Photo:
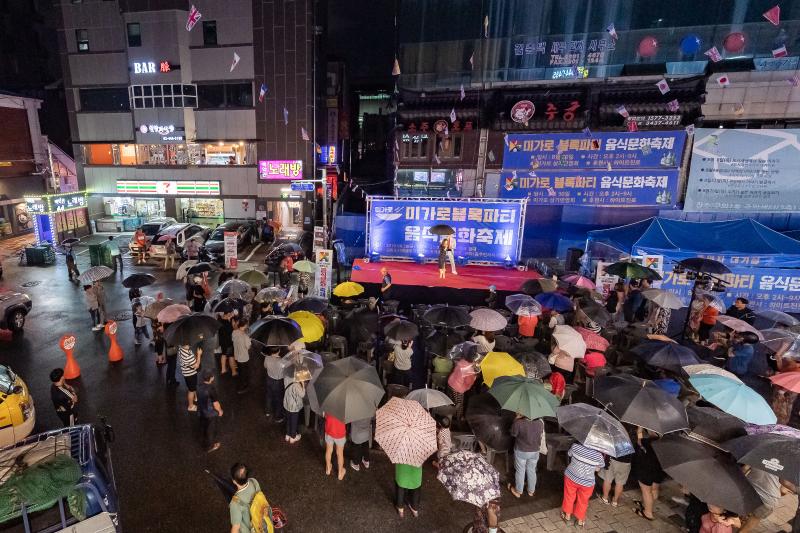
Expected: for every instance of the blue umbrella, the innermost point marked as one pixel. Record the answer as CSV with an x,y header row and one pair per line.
x,y
733,397
554,301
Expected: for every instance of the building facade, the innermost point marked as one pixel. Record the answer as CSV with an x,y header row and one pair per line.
x,y
170,119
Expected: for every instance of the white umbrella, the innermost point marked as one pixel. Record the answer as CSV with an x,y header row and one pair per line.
x,y
662,298
779,317
429,398
776,338
485,319
705,368
569,341
95,273
183,269
738,325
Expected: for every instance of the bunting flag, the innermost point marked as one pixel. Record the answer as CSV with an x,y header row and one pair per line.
x,y
723,81
633,126
673,105
713,54
587,131
436,158
663,86
472,60
453,115
780,52
235,61
612,31
690,129
622,111
285,117
486,26
262,92
396,68
738,109
304,134
194,16
491,156
773,15
794,80
318,148
463,94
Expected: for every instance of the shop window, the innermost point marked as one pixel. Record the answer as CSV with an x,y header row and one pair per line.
x,y
210,33
224,95
99,154
134,34
150,96
106,99
127,154
450,146
239,95
211,96
412,150
82,38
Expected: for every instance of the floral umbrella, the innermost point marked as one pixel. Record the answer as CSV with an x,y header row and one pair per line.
x,y
469,478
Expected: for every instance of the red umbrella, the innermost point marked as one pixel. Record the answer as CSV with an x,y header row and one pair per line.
x,y
787,380
593,340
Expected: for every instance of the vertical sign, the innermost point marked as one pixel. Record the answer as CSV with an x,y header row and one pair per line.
x,y
333,126
319,238
322,278
231,259
604,282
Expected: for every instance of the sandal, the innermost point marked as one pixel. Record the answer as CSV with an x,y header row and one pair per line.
x,y
640,512
602,499
564,517
639,504
414,512
513,491
614,504
580,523
401,512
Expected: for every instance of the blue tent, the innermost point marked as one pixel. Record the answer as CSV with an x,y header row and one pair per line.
x,y
678,239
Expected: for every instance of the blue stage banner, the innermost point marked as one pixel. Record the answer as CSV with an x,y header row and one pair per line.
x,y
766,288
618,188
485,231
596,150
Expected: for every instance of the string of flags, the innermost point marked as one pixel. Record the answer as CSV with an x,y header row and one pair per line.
x,y
304,134
673,105
453,115
713,54
194,16
780,52
773,15
463,94
723,81
663,86
285,117
396,68
472,61
486,27
622,111
235,61
262,92
612,31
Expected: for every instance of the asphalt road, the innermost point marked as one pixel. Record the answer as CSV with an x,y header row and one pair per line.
x,y
157,456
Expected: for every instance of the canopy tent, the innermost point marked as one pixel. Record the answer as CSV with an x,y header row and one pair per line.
x,y
678,239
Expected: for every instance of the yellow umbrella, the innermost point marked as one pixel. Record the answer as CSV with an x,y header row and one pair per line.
x,y
497,364
310,325
347,289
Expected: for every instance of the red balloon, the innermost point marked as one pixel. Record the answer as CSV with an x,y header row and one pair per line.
x,y
648,46
734,42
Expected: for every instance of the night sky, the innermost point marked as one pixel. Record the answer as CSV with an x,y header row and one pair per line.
x,y
361,33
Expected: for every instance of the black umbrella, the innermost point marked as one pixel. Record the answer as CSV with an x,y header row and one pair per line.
x,y
275,331
191,329
290,248
441,342
667,355
706,472
228,305
641,402
712,424
137,281
225,485
71,240
532,287
594,311
401,330
235,288
442,229
535,364
706,266
312,304
444,315
199,268
361,324
490,424
770,452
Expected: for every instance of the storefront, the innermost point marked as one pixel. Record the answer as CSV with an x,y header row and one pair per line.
x,y
205,211
14,218
128,206
186,201
188,154
59,216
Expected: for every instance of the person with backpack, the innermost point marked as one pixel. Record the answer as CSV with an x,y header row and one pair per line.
x,y
209,410
250,511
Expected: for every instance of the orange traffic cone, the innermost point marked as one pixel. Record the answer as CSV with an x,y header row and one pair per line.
x,y
114,352
71,368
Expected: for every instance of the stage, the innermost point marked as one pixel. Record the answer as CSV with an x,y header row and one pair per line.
x,y
417,283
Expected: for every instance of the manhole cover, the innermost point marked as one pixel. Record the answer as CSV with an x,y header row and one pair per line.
x,y
31,283
124,315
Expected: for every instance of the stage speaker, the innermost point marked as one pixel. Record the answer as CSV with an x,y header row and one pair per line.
x,y
573,259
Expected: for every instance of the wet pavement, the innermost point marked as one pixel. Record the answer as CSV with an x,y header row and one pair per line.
x,y
159,463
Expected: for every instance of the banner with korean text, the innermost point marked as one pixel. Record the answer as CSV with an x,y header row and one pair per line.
x,y
625,169
487,231
323,274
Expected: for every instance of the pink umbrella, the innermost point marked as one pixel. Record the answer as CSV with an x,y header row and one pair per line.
x,y
787,380
738,325
579,281
405,431
593,340
165,238
173,312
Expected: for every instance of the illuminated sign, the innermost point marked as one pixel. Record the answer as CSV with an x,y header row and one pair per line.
x,y
144,67
67,202
280,170
165,66
36,206
157,128
169,188
328,154
42,205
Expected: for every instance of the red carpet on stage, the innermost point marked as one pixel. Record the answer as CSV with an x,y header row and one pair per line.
x,y
427,275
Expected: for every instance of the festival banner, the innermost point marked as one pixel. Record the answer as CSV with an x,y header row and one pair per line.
x,y
618,188
484,231
744,171
594,150
230,247
323,274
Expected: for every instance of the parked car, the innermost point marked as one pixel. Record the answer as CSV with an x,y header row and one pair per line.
x,y
181,233
151,228
214,248
14,307
89,448
17,413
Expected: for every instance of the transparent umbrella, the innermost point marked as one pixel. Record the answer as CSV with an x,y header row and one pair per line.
x,y
595,429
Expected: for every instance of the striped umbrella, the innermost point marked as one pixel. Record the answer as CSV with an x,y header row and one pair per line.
x,y
405,431
95,273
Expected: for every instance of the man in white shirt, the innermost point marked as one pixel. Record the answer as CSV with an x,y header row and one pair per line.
x,y
450,244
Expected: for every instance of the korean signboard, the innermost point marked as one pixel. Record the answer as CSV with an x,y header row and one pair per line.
x,y
40,205
324,273
319,238
485,231
280,170
231,253
655,121
744,170
169,188
327,154
589,51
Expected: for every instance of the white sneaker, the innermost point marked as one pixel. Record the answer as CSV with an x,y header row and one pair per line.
x,y
355,466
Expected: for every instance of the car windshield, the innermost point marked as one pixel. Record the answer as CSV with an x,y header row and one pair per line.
x,y
218,235
7,379
151,229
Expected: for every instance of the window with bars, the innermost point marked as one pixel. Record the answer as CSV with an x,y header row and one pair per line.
x,y
157,96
